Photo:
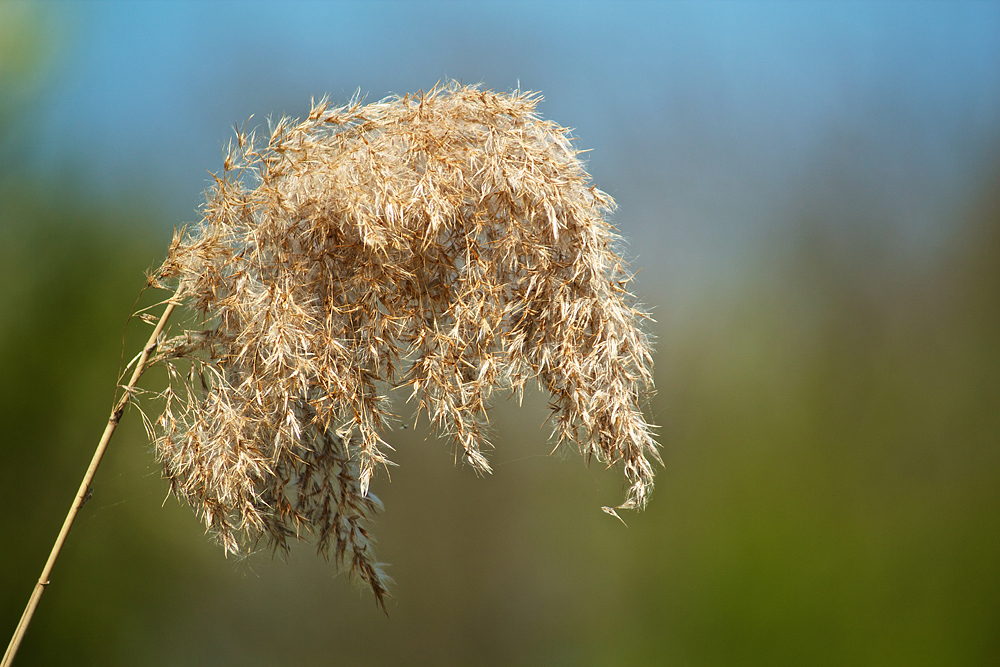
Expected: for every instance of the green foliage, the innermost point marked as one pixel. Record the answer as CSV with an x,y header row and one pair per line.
x,y
833,492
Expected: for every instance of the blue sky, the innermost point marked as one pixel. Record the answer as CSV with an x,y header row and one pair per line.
x,y
702,117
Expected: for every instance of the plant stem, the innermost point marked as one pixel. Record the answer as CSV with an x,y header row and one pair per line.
x,y
81,494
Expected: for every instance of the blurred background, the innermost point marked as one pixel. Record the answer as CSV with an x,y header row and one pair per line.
x,y
812,194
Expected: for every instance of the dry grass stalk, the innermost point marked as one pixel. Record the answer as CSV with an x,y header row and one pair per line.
x,y
138,366
449,241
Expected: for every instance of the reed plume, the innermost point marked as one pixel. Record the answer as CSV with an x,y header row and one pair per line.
x,y
450,242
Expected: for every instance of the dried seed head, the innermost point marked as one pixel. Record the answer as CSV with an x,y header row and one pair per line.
x,y
450,241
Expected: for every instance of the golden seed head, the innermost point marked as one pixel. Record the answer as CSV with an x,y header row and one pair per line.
x,y
450,241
